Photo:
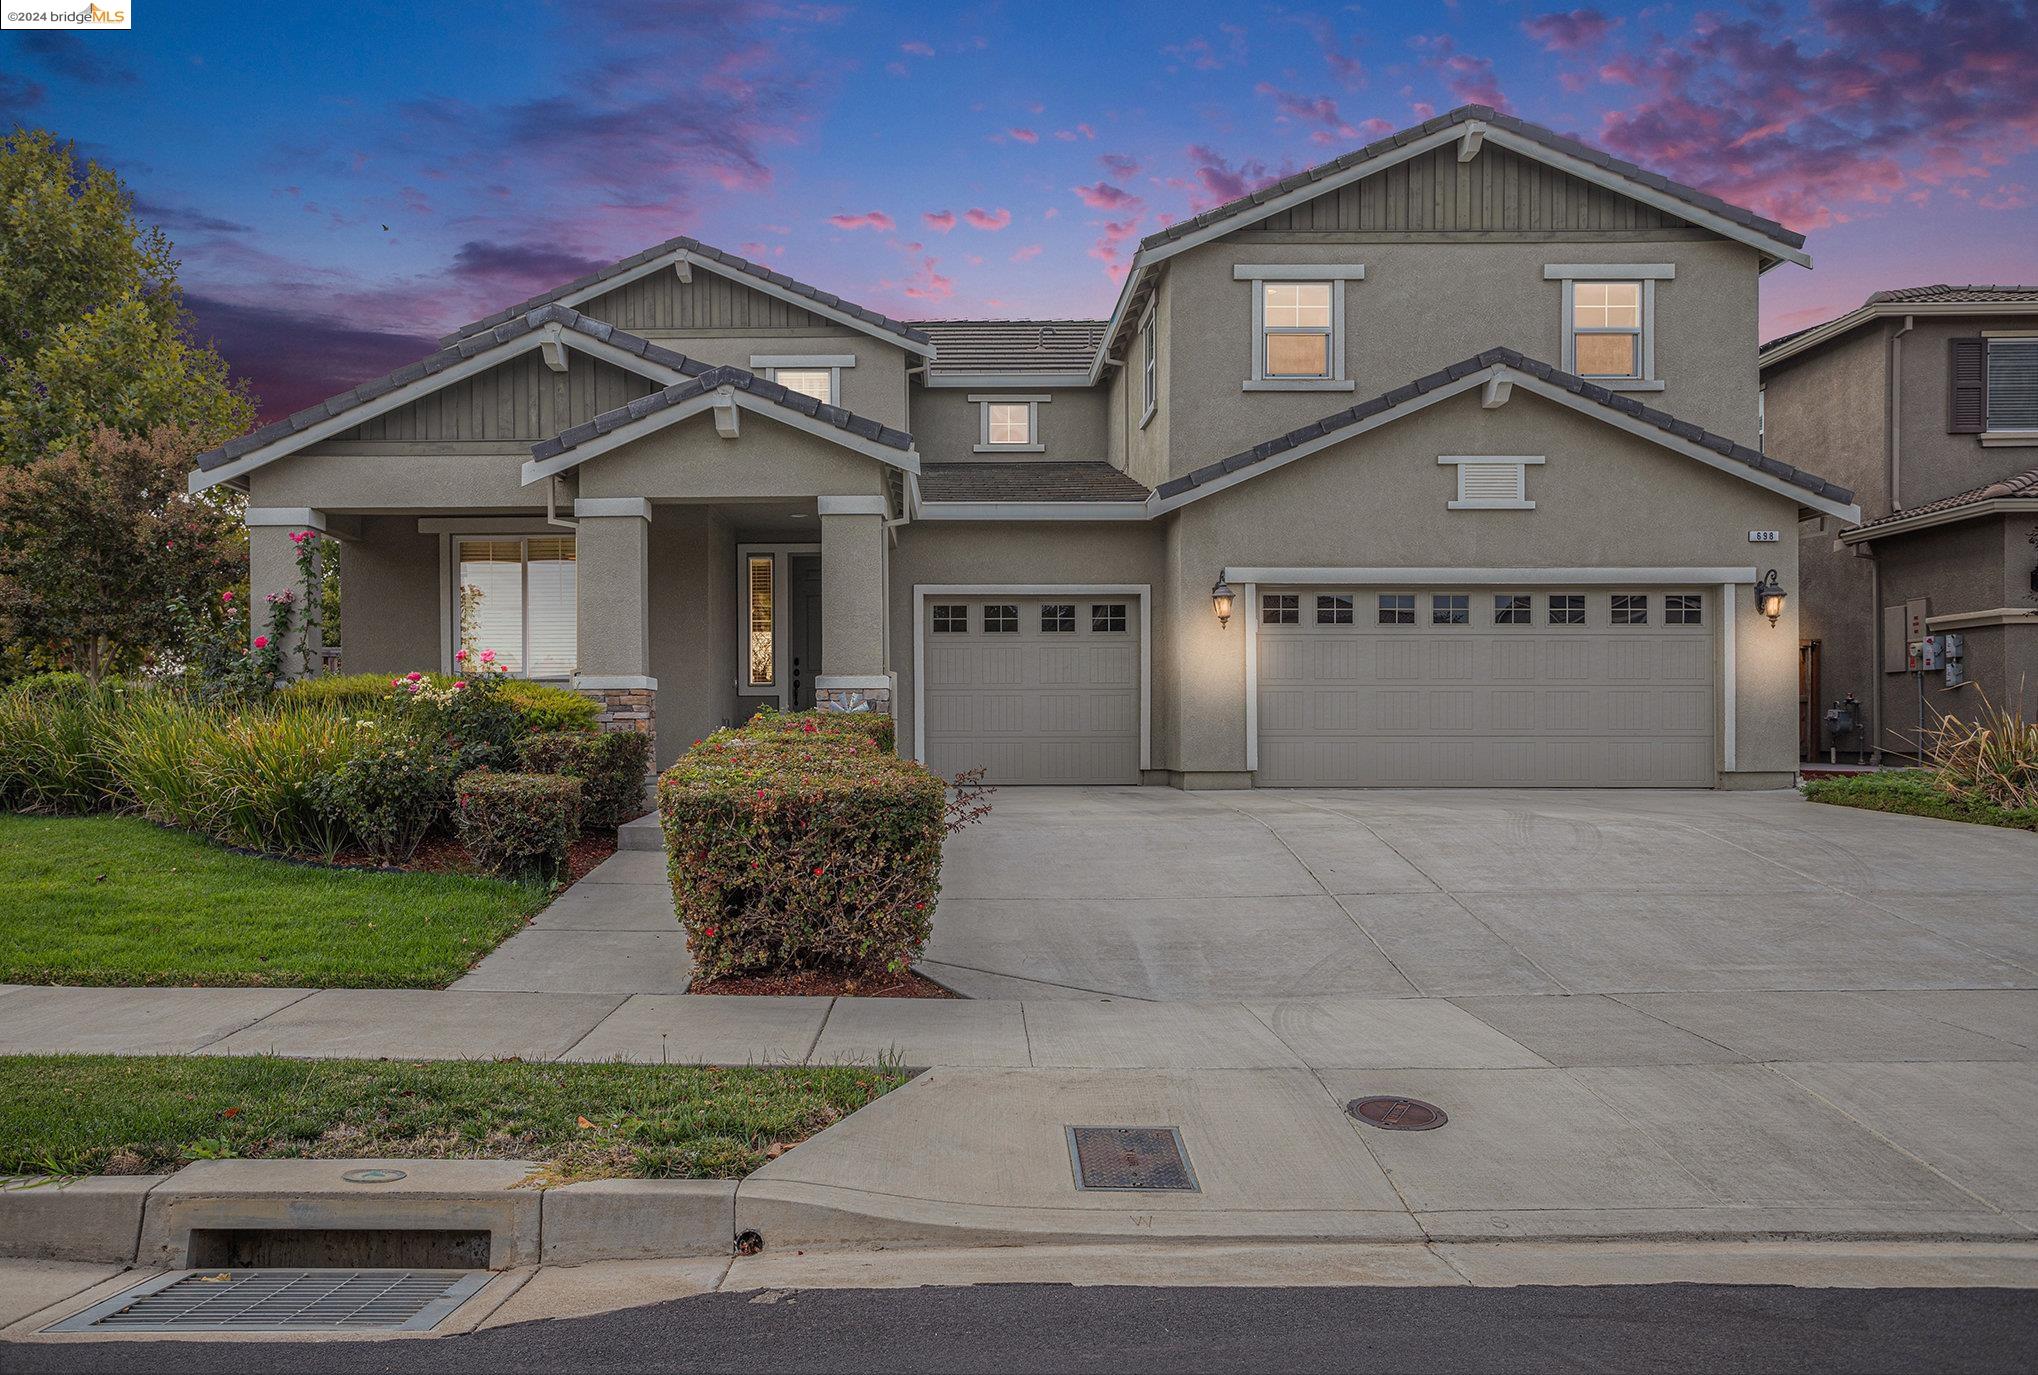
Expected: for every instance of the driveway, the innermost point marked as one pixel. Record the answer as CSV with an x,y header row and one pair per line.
x,y
1159,894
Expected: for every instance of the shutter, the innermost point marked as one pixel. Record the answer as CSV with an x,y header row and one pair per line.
x,y
1967,386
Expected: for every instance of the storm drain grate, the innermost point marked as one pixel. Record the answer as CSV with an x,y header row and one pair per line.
x,y
282,1301
1130,1158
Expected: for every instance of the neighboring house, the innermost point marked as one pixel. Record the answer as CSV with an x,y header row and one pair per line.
x,y
1353,399
1925,402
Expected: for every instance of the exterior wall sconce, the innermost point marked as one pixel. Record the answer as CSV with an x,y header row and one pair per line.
x,y
1220,599
1769,595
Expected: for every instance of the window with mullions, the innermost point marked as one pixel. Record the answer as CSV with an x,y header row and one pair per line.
x,y
1682,609
1001,620
1280,608
951,620
1567,608
1107,618
1334,610
1606,328
1397,608
1450,608
1295,329
1512,608
1056,617
517,597
1630,608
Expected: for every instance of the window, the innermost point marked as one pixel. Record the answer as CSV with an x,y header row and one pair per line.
x,y
1334,610
760,602
1511,608
1491,482
1149,375
818,383
1001,620
517,597
1009,424
1397,608
951,620
1056,617
2013,385
1295,329
1280,608
818,375
1567,608
1107,619
1450,608
1606,328
1630,608
1681,609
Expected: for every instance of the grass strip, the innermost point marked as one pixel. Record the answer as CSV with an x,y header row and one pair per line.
x,y
1913,792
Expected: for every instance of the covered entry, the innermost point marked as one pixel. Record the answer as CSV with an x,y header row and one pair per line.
x,y
1035,687
1486,686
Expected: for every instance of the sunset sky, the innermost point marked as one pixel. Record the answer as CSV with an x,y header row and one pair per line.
x,y
346,182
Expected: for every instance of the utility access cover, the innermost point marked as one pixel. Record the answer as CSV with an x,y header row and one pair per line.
x,y
1130,1158
282,1301
1397,1114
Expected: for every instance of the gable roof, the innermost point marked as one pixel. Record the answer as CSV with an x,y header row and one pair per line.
x,y
1506,365
1938,299
463,358
692,251
2015,492
1019,347
1020,480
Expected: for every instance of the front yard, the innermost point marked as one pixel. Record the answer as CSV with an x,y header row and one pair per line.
x,y
96,1114
1916,792
112,900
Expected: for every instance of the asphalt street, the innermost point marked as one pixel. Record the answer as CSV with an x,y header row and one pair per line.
x,y
1720,1330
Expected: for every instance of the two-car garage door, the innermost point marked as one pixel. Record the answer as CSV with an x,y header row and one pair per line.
x,y
1486,686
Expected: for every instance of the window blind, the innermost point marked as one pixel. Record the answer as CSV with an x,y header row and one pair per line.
x,y
2013,384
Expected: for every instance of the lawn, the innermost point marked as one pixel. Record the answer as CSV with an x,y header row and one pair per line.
x,y
1914,793
110,900
102,1114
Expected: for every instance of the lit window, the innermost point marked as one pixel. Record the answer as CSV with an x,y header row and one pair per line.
x,y
1511,609
1630,608
1280,608
1567,608
951,620
1334,610
818,383
1606,329
761,601
1295,329
1397,608
1682,609
1001,620
1057,616
518,598
1107,619
1008,424
1450,608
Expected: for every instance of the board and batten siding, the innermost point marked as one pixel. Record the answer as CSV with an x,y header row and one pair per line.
x,y
520,400
1497,191
660,301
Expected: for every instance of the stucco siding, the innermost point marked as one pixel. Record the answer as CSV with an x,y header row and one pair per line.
x,y
689,461
693,626
947,425
462,483
522,399
1931,462
875,386
389,590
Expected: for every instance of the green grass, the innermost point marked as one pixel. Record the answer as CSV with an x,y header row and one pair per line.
x,y
109,900
102,1114
1914,793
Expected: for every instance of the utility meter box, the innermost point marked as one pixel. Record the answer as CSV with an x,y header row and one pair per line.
x,y
1928,655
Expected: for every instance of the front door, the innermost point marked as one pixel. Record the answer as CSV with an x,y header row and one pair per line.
x,y
804,628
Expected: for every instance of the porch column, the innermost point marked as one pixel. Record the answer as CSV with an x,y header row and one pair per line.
x,y
272,572
853,673
612,577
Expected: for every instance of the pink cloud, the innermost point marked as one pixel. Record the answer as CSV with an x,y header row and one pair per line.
x,y
1568,31
990,221
1349,71
927,283
1119,165
1026,254
917,49
874,219
1213,180
1024,135
1205,56
1105,196
940,221
1109,249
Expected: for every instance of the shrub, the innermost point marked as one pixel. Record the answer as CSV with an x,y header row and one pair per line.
x,y
1990,757
469,717
390,795
517,823
55,681
871,725
1915,792
538,706
548,707
609,764
793,850
54,739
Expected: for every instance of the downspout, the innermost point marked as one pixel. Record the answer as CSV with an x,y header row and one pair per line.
x,y
552,516
1894,418
1873,755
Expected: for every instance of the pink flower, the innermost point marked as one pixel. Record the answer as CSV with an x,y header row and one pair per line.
x,y
396,682
461,684
487,656
300,536
413,676
461,657
226,598
261,642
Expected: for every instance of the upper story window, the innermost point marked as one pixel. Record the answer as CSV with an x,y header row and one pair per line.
x,y
818,383
1009,424
2011,392
1610,321
1298,324
517,598
1149,375
818,375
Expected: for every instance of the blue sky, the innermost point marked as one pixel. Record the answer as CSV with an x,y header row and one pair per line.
x,y
344,183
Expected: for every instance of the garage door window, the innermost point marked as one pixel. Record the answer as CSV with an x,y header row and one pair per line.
x,y
1333,610
951,620
1058,616
1630,608
1107,619
1280,608
1450,608
1511,609
1001,620
1567,608
1681,609
1397,608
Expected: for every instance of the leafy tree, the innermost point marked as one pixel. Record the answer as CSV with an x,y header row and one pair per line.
x,y
107,561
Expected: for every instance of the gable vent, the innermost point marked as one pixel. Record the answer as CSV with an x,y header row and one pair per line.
x,y
1489,483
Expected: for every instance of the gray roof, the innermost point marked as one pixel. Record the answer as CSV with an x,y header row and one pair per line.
x,y
1549,138
464,348
1023,481
1616,401
1942,294
695,248
1014,346
2015,485
707,379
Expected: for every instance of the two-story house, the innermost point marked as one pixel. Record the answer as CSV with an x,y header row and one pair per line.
x,y
1435,464
1925,402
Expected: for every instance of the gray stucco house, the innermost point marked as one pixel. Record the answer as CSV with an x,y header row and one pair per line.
x,y
1925,402
1464,422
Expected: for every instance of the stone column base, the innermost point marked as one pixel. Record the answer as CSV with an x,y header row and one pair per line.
x,y
878,700
633,709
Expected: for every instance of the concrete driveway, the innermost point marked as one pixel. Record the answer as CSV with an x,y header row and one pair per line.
x,y
1158,894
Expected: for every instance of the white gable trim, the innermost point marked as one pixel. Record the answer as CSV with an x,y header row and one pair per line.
x,y
537,470
284,445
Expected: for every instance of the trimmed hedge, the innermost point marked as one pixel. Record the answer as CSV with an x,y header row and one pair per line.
x,y
609,764
517,823
539,706
870,725
794,850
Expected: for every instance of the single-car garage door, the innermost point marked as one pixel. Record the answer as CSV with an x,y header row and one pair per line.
x,y
1486,686
1033,689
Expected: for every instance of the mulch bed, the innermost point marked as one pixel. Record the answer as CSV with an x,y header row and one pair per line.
x,y
817,984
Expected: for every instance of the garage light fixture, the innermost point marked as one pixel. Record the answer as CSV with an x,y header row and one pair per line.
x,y
1220,598
1769,596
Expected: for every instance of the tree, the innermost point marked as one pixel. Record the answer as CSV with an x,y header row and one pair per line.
x,y
107,560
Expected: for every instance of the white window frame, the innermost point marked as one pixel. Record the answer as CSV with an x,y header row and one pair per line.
x,y
1335,275
1567,275
769,364
1520,463
1990,436
780,685
1033,402
1149,370
449,590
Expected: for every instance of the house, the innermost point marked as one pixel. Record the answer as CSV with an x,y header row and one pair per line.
x,y
1925,402
1435,464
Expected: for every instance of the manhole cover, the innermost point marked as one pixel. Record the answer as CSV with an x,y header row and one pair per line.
x,y
372,1176
1397,1114
282,1301
1130,1158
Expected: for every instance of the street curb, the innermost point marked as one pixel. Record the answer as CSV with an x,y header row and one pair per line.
x,y
638,1219
94,1218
